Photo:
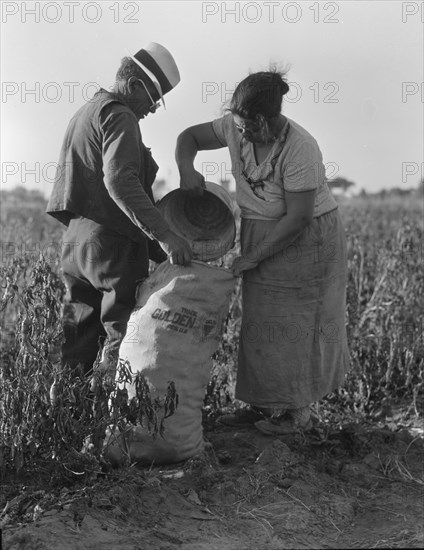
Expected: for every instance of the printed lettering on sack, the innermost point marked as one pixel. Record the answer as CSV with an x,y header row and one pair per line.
x,y
204,328
180,321
208,329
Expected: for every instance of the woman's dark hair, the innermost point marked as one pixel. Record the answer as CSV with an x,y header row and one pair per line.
x,y
259,94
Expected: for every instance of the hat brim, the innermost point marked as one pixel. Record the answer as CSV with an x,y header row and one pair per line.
x,y
151,76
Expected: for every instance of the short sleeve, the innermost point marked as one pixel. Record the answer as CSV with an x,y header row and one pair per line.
x,y
303,170
221,127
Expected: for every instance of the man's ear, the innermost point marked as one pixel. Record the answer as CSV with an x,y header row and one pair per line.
x,y
130,84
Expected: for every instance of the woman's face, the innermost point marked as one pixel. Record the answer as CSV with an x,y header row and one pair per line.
x,y
250,130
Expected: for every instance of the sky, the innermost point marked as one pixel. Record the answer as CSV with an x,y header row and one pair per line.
x,y
355,71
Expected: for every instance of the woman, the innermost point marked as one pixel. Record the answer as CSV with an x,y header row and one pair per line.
x,y
293,346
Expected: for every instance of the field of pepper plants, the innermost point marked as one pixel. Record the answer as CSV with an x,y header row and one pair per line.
x,y
48,470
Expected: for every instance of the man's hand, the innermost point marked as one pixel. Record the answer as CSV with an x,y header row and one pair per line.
x,y
155,252
177,248
193,182
241,264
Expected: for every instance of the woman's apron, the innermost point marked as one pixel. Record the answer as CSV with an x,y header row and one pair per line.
x,y
293,343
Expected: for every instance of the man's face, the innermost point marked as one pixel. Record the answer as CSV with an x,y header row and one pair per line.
x,y
140,99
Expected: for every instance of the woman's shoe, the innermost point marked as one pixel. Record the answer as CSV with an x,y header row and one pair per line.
x,y
243,417
295,420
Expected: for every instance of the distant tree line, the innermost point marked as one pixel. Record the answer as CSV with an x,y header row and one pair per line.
x,y
344,185
20,196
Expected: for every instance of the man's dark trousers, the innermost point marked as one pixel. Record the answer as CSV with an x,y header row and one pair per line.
x,y
101,269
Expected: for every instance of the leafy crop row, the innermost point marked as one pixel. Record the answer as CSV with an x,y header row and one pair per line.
x,y
46,411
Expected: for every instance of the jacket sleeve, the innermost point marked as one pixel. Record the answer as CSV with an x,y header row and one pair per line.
x,y
121,173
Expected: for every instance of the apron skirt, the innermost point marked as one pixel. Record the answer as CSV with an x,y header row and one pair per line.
x,y
293,343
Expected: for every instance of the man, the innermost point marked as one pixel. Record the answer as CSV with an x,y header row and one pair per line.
x,y
102,193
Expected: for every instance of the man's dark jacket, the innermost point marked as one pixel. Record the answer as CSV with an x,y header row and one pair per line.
x,y
105,172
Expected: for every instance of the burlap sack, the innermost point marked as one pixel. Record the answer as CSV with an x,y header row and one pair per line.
x,y
171,336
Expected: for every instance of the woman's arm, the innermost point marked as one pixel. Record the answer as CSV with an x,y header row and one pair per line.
x,y
301,176
300,210
196,138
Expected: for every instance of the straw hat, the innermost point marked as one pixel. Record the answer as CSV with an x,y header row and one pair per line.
x,y
159,66
207,222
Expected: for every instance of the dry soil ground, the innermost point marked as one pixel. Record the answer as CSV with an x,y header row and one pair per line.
x,y
359,486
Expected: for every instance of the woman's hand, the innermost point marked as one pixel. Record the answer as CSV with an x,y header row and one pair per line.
x,y
241,263
193,182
